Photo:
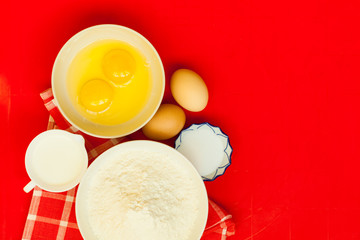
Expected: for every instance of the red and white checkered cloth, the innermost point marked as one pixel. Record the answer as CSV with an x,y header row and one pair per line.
x,y
52,215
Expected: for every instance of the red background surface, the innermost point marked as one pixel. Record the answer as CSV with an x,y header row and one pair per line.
x,y
283,78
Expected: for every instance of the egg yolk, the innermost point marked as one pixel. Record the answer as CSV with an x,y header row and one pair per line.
x,y
119,66
96,95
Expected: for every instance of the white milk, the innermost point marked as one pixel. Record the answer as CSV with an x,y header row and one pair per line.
x,y
56,160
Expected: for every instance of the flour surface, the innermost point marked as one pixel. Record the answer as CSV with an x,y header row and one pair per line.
x,y
143,196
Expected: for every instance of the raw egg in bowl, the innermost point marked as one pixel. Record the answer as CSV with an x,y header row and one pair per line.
x,y
108,81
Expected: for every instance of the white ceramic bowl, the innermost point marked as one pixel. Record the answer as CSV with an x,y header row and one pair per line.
x,y
81,205
72,48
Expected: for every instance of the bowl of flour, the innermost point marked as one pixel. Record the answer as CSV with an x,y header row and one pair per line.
x,y
141,190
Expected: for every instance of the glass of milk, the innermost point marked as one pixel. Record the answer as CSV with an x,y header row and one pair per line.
x,y
55,161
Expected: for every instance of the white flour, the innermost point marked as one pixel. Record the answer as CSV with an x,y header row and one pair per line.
x,y
143,195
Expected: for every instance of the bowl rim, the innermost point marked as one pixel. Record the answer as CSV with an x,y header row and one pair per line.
x,y
99,26
136,145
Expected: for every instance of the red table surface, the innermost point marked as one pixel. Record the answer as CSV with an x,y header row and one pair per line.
x,y
283,78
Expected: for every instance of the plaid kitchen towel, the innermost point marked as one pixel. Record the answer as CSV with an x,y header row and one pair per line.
x,y
52,215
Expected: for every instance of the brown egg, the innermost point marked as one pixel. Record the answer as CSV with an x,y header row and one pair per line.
x,y
189,90
167,122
